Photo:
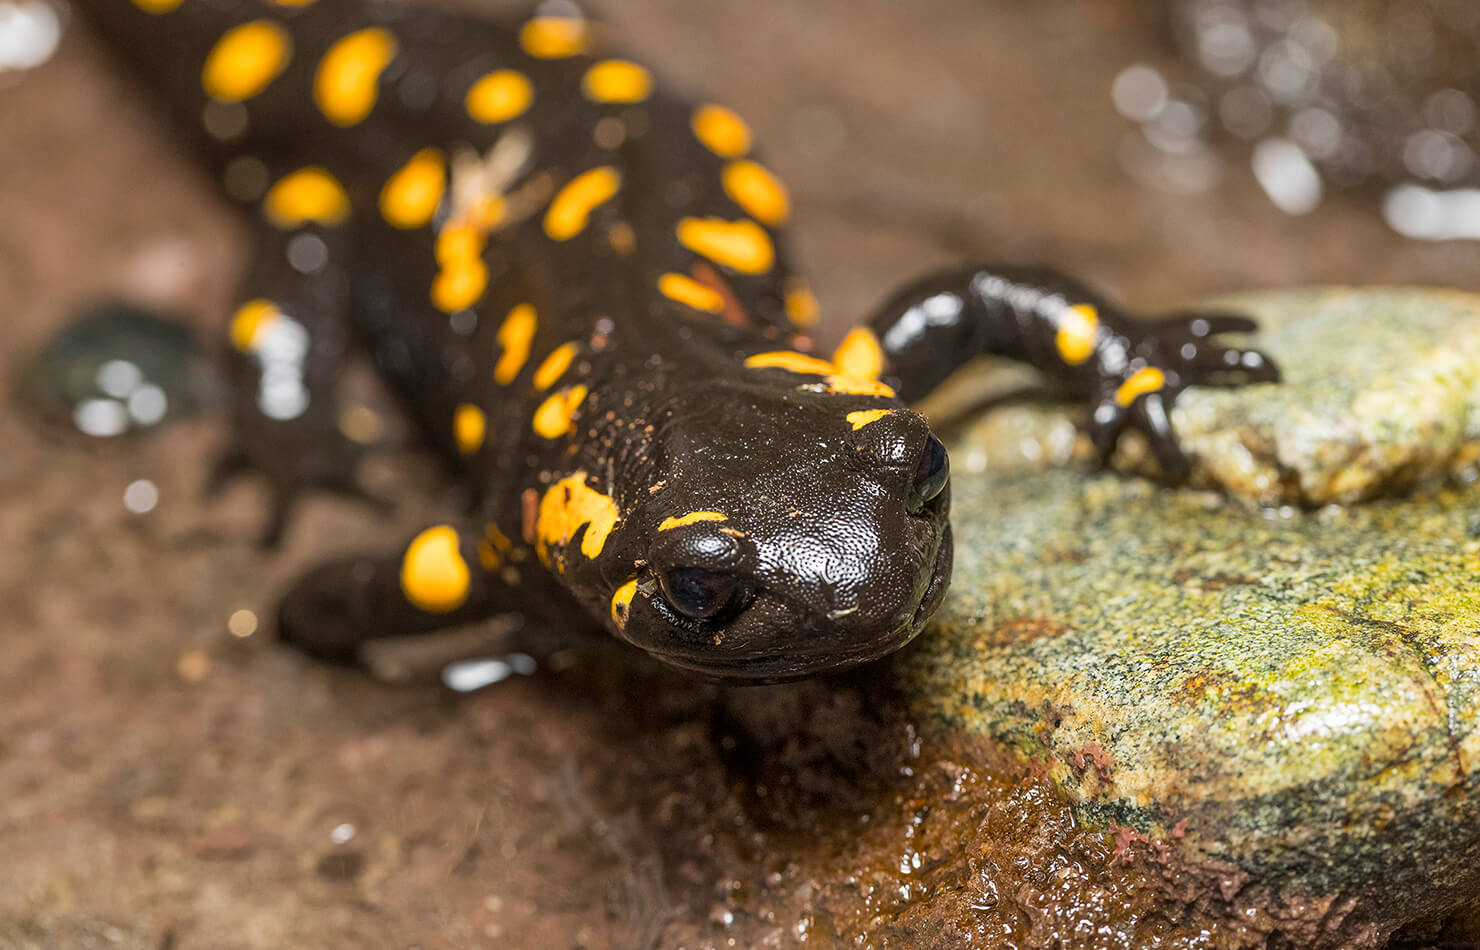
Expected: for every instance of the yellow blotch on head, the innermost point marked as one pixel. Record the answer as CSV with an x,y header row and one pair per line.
x,y
308,195
1075,339
249,320
859,354
863,417
566,506
555,37
411,196
515,335
552,419
459,284
752,186
617,81
1141,382
434,576
158,7
742,246
622,602
348,79
246,60
468,428
836,381
689,292
693,517
554,366
721,131
572,207
801,304
499,96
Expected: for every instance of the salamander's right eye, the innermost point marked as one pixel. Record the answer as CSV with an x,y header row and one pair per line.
x,y
932,472
699,593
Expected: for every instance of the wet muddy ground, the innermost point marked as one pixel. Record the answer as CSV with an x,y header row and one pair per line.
x,y
165,784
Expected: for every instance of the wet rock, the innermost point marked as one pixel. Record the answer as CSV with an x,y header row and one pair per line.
x,y
1282,707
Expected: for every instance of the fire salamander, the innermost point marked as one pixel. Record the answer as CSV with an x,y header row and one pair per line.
x,y
577,284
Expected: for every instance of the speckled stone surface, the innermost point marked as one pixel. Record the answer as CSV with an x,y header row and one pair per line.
x,y
1292,695
1381,394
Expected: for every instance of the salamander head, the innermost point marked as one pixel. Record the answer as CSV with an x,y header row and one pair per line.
x,y
786,535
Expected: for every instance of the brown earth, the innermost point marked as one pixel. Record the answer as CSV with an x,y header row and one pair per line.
x,y
164,785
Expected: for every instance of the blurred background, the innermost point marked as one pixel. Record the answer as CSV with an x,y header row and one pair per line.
x,y
169,779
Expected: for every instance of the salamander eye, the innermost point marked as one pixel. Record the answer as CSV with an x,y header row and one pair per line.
x,y
700,593
932,472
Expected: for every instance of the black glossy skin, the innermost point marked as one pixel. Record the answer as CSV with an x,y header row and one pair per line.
x,y
835,544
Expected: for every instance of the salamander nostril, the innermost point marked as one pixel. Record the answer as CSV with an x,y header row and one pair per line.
x,y
932,472
698,592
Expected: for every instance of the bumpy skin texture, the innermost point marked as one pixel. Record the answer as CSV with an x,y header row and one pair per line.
x,y
577,285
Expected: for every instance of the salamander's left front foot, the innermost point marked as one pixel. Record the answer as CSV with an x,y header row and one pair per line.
x,y
1143,371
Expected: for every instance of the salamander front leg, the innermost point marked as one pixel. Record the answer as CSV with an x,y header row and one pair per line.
x,y
1131,369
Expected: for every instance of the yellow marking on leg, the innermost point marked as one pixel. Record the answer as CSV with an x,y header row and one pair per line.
x,y
752,186
246,60
859,354
1142,381
554,366
693,517
721,131
1075,339
411,196
572,206
565,508
250,319
689,292
552,419
499,96
742,246
434,576
348,79
863,417
554,37
801,304
459,284
617,81
515,335
622,602
308,195
158,7
468,428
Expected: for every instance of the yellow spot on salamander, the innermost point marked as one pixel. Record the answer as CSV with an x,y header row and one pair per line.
x,y
554,37
742,246
468,428
552,418
1141,382
565,507
863,417
515,335
158,7
689,292
308,195
836,381
1075,339
459,243
293,3
246,60
249,320
617,81
411,196
622,602
572,207
801,304
753,187
554,366
499,96
460,284
693,517
434,576
721,131
348,79
490,558
859,354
